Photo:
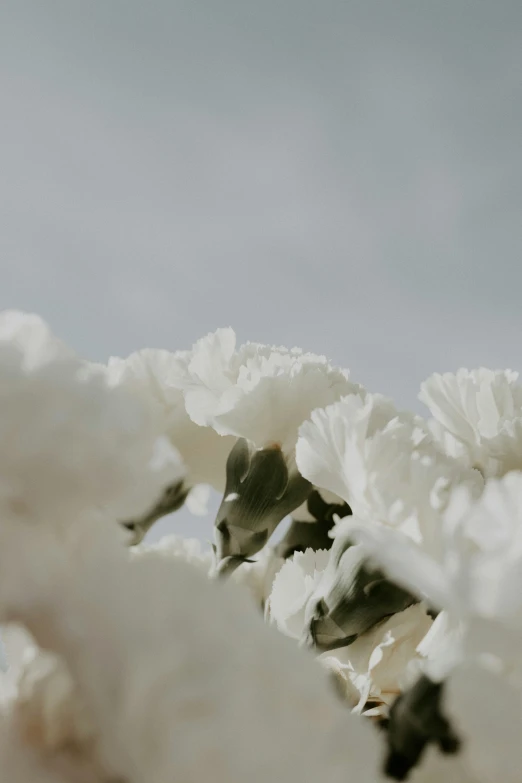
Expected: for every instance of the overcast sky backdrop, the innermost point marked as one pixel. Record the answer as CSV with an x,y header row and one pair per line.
x,y
344,176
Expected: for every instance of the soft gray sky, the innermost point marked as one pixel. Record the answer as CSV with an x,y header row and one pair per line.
x,y
345,176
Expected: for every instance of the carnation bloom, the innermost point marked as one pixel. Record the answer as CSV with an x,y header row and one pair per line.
x,y
376,667
165,690
475,568
384,463
156,378
18,648
218,373
261,395
490,725
174,547
378,662
51,714
292,587
386,466
136,664
351,597
258,574
71,443
31,335
478,414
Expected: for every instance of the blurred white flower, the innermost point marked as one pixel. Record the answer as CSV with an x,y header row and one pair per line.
x,y
53,723
140,665
292,587
168,663
22,763
198,499
47,706
19,649
189,550
157,378
70,443
481,411
32,336
442,648
487,713
258,575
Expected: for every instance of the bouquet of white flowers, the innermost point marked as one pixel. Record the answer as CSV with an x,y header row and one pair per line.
x,y
379,638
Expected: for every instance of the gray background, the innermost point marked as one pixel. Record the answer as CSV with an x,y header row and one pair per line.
x,y
344,176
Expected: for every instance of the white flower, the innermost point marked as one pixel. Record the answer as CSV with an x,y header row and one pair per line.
x,y
21,762
19,649
336,448
217,370
258,575
351,597
482,411
157,378
258,392
48,708
486,712
53,722
382,462
166,692
32,336
279,396
442,647
71,444
292,588
198,499
176,547
260,395
380,662
212,371
475,571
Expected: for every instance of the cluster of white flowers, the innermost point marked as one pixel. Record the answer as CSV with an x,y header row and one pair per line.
x,y
379,638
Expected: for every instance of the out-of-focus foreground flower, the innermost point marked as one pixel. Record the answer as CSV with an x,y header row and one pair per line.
x,y
379,637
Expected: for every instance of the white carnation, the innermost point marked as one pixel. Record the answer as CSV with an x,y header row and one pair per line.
x,y
482,411
383,660
292,588
157,378
74,444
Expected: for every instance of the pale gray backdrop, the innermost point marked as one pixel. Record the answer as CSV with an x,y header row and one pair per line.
x,y
340,175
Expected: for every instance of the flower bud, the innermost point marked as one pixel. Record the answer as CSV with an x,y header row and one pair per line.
x,y
259,493
352,597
